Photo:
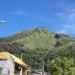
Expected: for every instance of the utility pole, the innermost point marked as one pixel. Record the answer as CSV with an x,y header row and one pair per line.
x,y
43,67
43,64
21,67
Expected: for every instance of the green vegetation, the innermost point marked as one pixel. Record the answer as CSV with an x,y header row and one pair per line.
x,y
57,50
62,66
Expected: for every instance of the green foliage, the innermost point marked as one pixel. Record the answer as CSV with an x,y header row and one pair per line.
x,y
34,57
62,66
57,35
2,40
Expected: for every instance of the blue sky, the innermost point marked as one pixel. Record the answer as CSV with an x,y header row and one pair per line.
x,y
55,15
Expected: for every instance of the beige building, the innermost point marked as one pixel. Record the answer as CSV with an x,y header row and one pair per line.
x,y
11,65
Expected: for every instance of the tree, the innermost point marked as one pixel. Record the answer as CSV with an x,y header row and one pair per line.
x,y
61,66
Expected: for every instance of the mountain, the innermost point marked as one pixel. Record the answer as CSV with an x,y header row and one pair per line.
x,y
37,44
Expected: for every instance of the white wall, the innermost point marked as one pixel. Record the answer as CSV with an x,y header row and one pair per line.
x,y
8,66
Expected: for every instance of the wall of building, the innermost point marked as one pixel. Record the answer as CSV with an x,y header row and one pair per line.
x,y
7,66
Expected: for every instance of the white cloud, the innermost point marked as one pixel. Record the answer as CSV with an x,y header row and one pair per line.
x,y
67,18
30,14
68,29
20,12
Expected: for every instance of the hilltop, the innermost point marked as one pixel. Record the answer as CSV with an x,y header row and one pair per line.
x,y
38,38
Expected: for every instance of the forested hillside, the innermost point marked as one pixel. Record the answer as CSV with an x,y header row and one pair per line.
x,y
57,50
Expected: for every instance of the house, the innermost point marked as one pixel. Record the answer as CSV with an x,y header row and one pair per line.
x,y
11,65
